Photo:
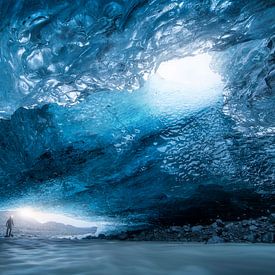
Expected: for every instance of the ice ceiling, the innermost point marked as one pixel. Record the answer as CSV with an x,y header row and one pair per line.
x,y
90,126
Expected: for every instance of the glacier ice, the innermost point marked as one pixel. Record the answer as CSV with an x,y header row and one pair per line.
x,y
85,129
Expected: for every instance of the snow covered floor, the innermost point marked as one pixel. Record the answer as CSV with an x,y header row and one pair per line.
x,y
37,256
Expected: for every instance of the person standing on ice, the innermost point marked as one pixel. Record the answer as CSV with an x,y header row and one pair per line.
x,y
9,225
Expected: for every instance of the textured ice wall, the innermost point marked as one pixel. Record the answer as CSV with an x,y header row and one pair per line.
x,y
103,150
56,51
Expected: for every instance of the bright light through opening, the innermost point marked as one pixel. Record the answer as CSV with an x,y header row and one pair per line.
x,y
43,217
184,85
191,72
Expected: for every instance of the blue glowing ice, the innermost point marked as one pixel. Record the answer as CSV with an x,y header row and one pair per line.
x,y
90,126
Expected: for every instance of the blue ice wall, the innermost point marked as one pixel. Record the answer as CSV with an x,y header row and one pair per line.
x,y
78,131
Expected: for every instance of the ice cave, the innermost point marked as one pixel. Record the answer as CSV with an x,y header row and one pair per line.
x,y
137,137
138,113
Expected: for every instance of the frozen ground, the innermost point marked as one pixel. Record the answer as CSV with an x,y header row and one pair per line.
x,y
37,256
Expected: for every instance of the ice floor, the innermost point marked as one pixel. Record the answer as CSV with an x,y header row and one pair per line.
x,y
34,256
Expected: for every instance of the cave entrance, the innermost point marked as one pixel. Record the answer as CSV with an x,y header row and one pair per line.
x,y
44,217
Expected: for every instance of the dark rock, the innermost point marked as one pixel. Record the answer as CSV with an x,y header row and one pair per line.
x,y
176,228
268,237
186,228
229,226
215,239
219,231
220,223
272,208
263,219
245,223
197,229
252,237
253,227
90,237
259,230
123,236
102,236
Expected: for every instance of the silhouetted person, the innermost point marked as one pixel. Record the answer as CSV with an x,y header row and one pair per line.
x,y
9,225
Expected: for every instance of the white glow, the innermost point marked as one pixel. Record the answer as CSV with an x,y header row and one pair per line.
x,y
191,72
26,212
43,217
182,86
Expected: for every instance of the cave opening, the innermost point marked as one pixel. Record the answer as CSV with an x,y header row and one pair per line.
x,y
44,217
184,85
191,72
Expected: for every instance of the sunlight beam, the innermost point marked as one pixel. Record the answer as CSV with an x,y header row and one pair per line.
x,y
191,72
184,85
43,217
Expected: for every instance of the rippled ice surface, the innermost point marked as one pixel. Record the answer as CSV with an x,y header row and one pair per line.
x,y
106,257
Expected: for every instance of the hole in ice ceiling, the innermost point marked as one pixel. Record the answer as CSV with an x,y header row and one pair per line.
x,y
191,72
186,84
